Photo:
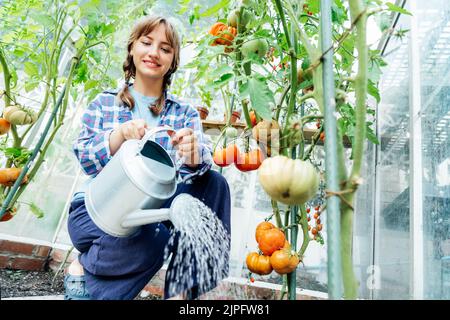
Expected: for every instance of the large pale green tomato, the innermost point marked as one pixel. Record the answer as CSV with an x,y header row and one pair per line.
x,y
256,46
19,115
290,181
231,132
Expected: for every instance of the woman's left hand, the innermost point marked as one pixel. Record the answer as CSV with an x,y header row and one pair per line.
x,y
185,142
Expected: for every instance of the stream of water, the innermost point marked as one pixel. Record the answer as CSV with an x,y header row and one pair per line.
x,y
203,248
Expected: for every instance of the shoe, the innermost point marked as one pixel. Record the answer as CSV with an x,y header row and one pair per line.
x,y
75,288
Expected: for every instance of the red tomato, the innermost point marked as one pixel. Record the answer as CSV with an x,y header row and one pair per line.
x,y
250,160
9,215
252,117
225,157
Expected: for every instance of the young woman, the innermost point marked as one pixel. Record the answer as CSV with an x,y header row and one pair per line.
x,y
119,268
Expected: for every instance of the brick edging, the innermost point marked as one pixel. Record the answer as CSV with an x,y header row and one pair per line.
x,y
38,257
32,257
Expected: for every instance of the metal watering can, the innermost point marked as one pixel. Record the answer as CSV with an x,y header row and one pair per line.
x,y
130,189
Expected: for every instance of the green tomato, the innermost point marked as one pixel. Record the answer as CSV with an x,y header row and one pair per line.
x,y
231,132
245,19
256,46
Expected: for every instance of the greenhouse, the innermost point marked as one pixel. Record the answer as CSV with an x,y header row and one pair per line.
x,y
225,150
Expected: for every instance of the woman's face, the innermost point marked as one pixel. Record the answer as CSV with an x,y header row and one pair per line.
x,y
152,54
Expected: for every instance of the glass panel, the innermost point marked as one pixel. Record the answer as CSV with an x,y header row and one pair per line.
x,y
392,236
49,189
434,40
363,230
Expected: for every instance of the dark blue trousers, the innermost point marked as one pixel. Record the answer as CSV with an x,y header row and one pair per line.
x,y
118,268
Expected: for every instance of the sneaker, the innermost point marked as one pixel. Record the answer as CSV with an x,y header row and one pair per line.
x,y
75,288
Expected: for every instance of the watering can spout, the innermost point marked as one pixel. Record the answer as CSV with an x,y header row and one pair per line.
x,y
145,216
180,212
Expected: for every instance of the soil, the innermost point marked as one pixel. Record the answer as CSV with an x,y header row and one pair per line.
x,y
22,283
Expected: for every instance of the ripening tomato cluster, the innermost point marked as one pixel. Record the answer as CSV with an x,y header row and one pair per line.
x,y
306,9
275,252
315,231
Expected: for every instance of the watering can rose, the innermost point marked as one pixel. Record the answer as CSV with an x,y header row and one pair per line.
x,y
290,181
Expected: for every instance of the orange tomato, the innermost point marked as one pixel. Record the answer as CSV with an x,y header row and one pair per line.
x,y
224,157
259,264
261,228
9,175
284,261
224,33
249,161
271,240
322,136
252,115
4,126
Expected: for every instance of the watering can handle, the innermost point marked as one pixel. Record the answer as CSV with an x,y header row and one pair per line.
x,y
150,132
170,132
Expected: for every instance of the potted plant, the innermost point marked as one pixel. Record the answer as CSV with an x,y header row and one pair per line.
x,y
206,98
235,116
203,112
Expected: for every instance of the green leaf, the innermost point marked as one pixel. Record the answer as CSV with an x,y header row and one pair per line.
x,y
191,19
43,19
90,84
80,42
30,68
31,84
225,78
19,52
214,9
394,8
383,21
36,211
371,136
260,95
223,69
373,91
108,29
374,71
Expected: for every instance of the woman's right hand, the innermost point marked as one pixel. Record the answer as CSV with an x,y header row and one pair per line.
x,y
132,129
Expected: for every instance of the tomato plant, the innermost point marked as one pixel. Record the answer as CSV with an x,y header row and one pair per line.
x,y
273,69
36,67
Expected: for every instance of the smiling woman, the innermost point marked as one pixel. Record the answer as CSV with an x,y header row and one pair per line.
x,y
126,264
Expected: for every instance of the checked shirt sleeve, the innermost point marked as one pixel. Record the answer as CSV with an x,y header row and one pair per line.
x,y
204,145
92,145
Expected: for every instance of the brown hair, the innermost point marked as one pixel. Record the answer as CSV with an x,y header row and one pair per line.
x,y
144,27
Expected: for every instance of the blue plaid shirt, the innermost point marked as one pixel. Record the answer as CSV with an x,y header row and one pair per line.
x,y
107,112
